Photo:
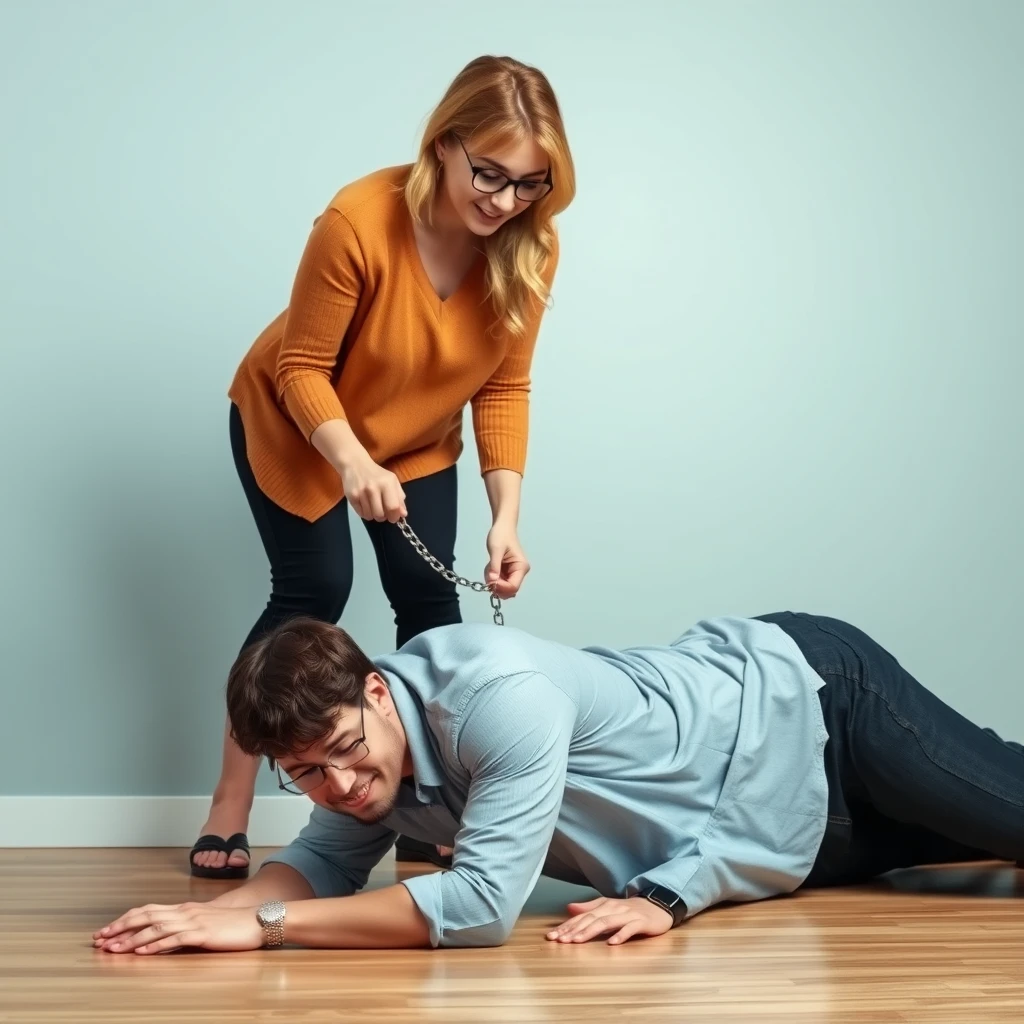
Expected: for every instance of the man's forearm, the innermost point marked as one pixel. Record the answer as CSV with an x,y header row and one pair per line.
x,y
272,882
380,919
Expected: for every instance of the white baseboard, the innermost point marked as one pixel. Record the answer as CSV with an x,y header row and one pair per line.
x,y
84,821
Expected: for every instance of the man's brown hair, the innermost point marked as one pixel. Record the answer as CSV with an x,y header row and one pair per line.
x,y
285,689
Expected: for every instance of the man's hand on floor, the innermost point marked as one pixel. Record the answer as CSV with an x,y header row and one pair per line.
x,y
628,919
160,929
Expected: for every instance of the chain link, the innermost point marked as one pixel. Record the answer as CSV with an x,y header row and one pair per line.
x,y
451,577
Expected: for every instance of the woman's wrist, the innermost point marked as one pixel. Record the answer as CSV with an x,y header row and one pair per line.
x,y
503,492
337,443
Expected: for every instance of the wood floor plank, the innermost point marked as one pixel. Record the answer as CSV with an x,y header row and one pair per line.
x,y
942,946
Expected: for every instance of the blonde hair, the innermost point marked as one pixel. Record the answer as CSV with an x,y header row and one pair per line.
x,y
498,101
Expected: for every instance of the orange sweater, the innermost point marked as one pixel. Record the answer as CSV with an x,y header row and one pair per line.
x,y
366,338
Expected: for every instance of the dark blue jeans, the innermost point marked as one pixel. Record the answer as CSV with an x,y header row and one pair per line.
x,y
911,781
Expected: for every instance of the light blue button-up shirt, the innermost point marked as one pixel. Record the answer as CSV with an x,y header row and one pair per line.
x,y
696,765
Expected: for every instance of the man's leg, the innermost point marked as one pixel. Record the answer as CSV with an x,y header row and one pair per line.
x,y
911,780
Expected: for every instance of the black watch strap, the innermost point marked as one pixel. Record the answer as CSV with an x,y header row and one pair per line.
x,y
668,901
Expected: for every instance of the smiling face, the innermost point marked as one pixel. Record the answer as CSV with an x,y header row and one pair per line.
x,y
486,187
358,767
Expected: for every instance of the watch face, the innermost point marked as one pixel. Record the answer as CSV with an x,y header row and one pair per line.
x,y
271,913
665,896
669,901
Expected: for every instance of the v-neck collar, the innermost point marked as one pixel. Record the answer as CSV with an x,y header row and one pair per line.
x,y
436,303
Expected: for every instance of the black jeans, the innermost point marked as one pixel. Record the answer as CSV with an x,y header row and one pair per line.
x,y
311,563
911,781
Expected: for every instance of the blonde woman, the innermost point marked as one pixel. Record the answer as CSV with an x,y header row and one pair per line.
x,y
421,290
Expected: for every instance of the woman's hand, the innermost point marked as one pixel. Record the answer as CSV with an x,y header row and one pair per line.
x,y
159,929
625,918
508,565
374,492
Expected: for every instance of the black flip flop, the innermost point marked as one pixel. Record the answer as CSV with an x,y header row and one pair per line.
x,y
239,841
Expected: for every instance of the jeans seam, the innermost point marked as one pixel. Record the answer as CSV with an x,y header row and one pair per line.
x,y
846,641
938,764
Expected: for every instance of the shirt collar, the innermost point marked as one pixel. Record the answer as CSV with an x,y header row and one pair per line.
x,y
426,769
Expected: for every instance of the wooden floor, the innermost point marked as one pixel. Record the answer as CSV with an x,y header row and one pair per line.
x,y
942,945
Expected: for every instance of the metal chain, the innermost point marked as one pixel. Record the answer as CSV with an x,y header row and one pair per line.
x,y
451,577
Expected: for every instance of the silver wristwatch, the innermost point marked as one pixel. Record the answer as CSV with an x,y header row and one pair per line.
x,y
271,918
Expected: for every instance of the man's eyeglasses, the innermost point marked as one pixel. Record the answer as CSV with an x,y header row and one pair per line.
x,y
308,778
490,181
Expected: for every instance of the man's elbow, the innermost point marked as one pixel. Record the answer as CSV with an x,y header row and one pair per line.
x,y
479,936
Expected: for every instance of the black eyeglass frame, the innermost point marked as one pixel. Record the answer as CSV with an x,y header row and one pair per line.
x,y
281,784
514,182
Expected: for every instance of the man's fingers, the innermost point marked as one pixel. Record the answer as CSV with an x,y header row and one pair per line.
x,y
568,931
627,931
576,912
589,926
118,924
582,908
599,916
598,925
131,921
566,927
104,941
126,943
182,940
144,928
107,945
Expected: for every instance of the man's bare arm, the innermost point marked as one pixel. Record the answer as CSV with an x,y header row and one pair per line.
x,y
385,918
272,882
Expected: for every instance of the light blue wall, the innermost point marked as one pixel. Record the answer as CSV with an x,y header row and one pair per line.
x,y
783,369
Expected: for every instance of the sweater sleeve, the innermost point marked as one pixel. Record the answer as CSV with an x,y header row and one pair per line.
x,y
327,288
501,409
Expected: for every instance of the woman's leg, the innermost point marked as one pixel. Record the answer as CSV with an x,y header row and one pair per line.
x,y
420,597
311,574
919,782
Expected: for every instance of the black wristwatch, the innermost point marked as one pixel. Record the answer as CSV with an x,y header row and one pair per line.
x,y
668,901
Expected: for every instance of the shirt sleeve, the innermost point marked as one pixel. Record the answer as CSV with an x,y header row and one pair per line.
x,y
501,408
681,876
704,879
324,296
514,743
335,853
